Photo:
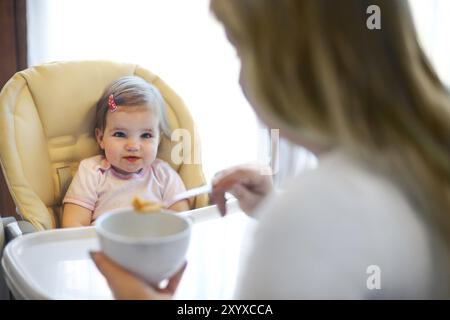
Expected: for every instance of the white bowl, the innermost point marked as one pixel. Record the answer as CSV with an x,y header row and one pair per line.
x,y
152,245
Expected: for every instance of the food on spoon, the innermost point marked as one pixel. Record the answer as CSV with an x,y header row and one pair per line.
x,y
142,206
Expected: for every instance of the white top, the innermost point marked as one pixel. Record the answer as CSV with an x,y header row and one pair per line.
x,y
340,232
99,188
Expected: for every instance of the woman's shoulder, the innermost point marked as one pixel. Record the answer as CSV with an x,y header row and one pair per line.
x,y
342,178
346,189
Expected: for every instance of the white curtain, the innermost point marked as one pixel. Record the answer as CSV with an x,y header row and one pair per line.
x,y
178,40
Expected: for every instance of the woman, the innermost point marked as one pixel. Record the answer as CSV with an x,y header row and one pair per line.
x,y
373,221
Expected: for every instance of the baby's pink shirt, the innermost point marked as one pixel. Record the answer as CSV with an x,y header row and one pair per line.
x,y
99,188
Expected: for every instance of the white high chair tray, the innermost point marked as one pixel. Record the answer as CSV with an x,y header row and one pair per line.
x,y
55,264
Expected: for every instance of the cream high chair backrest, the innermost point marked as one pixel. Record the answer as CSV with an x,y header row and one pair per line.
x,y
46,124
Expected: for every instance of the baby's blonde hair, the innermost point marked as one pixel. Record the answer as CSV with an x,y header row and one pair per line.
x,y
315,66
132,91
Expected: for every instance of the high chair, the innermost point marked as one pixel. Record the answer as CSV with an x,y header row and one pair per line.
x,y
47,122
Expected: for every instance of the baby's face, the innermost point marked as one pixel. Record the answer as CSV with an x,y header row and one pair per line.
x,y
130,138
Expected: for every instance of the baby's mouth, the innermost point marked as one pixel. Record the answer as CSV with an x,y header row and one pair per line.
x,y
132,158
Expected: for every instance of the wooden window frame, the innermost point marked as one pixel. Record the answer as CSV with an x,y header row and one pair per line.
x,y
13,58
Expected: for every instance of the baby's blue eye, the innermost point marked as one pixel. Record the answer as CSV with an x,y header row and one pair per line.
x,y
147,136
119,134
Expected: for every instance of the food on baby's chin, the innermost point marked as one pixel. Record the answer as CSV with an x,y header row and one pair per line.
x,y
142,206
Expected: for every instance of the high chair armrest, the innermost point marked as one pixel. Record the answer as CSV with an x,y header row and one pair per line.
x,y
14,228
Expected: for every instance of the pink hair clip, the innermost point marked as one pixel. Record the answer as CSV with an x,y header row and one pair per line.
x,y
112,106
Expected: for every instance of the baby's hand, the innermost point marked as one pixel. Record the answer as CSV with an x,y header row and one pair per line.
x,y
141,206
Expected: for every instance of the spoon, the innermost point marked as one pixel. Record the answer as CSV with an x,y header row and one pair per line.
x,y
207,188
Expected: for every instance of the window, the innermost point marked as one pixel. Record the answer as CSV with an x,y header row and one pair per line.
x,y
433,27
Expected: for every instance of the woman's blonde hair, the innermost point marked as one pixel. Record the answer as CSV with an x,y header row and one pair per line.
x,y
132,91
315,66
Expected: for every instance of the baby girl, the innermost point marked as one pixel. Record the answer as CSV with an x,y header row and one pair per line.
x,y
130,121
